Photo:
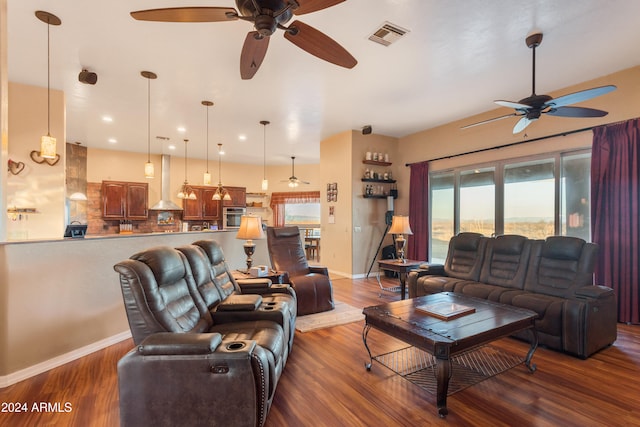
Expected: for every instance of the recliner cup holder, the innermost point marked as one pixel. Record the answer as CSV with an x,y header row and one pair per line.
x,y
271,303
269,308
235,346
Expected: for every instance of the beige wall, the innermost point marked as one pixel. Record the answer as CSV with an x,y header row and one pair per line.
x,y
38,186
335,166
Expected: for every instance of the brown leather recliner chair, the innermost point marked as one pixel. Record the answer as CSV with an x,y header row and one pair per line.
x,y
311,283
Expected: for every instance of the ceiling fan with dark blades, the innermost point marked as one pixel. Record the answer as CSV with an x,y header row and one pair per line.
x,y
267,16
293,180
531,108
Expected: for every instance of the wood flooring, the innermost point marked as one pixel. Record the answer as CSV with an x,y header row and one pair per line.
x,y
325,383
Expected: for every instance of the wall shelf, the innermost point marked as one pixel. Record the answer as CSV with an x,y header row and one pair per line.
x,y
376,163
384,181
378,196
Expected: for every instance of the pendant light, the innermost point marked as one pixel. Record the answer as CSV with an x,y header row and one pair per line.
x,y
186,192
148,167
47,142
207,176
221,193
265,181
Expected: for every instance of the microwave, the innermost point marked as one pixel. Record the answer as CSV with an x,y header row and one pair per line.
x,y
231,217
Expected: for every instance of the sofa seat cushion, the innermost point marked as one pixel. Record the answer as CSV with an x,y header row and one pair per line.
x,y
434,284
548,308
267,334
484,291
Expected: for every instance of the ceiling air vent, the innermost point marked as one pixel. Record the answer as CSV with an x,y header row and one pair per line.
x,y
387,34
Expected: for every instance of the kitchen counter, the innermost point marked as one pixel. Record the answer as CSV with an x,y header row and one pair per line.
x,y
61,298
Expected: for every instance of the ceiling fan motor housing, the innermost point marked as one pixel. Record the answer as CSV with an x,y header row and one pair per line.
x,y
268,17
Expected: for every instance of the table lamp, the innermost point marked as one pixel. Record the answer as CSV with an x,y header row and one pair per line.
x,y
250,228
399,227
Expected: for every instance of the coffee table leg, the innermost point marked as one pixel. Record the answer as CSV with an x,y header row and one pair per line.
x,y
365,332
443,373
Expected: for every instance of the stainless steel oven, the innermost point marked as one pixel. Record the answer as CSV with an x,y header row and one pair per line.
x,y
231,217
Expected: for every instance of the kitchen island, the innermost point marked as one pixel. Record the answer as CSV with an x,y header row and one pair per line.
x,y
61,300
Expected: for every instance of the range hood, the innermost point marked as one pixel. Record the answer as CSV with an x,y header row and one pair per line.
x,y
165,203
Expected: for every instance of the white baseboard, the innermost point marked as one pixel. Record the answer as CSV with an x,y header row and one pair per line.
x,y
32,371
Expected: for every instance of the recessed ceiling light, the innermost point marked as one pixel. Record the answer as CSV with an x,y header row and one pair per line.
x,y
242,137
181,129
112,141
172,147
107,119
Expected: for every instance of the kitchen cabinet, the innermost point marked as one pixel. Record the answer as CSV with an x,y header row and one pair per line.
x,y
238,197
204,207
125,200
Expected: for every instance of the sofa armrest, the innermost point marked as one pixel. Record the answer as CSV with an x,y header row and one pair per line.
x,y
593,292
319,270
249,286
170,343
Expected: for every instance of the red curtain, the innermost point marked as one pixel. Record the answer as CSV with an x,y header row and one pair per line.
x,y
615,208
278,200
418,245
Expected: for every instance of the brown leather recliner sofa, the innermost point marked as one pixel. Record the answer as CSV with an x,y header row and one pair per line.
x,y
552,277
207,352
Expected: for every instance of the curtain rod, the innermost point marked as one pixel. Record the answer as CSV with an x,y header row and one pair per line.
x,y
511,144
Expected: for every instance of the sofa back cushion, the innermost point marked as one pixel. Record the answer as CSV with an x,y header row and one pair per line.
x,y
559,265
465,255
218,268
505,261
201,270
159,294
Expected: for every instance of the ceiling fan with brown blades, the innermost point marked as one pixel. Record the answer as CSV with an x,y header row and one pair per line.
x,y
293,179
531,108
267,16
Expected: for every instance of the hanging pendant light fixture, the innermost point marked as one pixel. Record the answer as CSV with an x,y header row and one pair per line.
x,y
207,176
221,193
47,142
265,182
186,192
148,167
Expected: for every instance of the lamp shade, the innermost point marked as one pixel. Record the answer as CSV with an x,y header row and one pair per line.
x,y
47,147
78,196
400,225
250,228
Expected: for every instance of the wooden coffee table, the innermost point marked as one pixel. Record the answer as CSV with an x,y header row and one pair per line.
x,y
447,338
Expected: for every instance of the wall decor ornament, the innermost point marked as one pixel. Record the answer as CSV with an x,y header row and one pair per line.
x,y
36,157
332,192
15,167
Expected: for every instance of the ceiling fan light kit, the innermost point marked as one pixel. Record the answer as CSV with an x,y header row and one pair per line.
x,y
531,108
293,181
267,17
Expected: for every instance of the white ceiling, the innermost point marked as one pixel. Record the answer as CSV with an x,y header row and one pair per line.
x,y
459,56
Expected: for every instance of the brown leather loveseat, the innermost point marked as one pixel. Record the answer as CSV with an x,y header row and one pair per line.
x,y
205,349
553,277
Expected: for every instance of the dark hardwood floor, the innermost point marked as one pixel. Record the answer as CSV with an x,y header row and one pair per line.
x,y
325,384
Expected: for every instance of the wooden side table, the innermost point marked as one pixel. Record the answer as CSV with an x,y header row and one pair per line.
x,y
402,268
276,277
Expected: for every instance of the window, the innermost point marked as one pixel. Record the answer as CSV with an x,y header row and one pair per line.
x,y
533,197
478,201
442,218
302,214
529,199
575,211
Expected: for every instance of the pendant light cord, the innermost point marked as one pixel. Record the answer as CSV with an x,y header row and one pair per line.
x,y
48,81
148,120
264,151
207,139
